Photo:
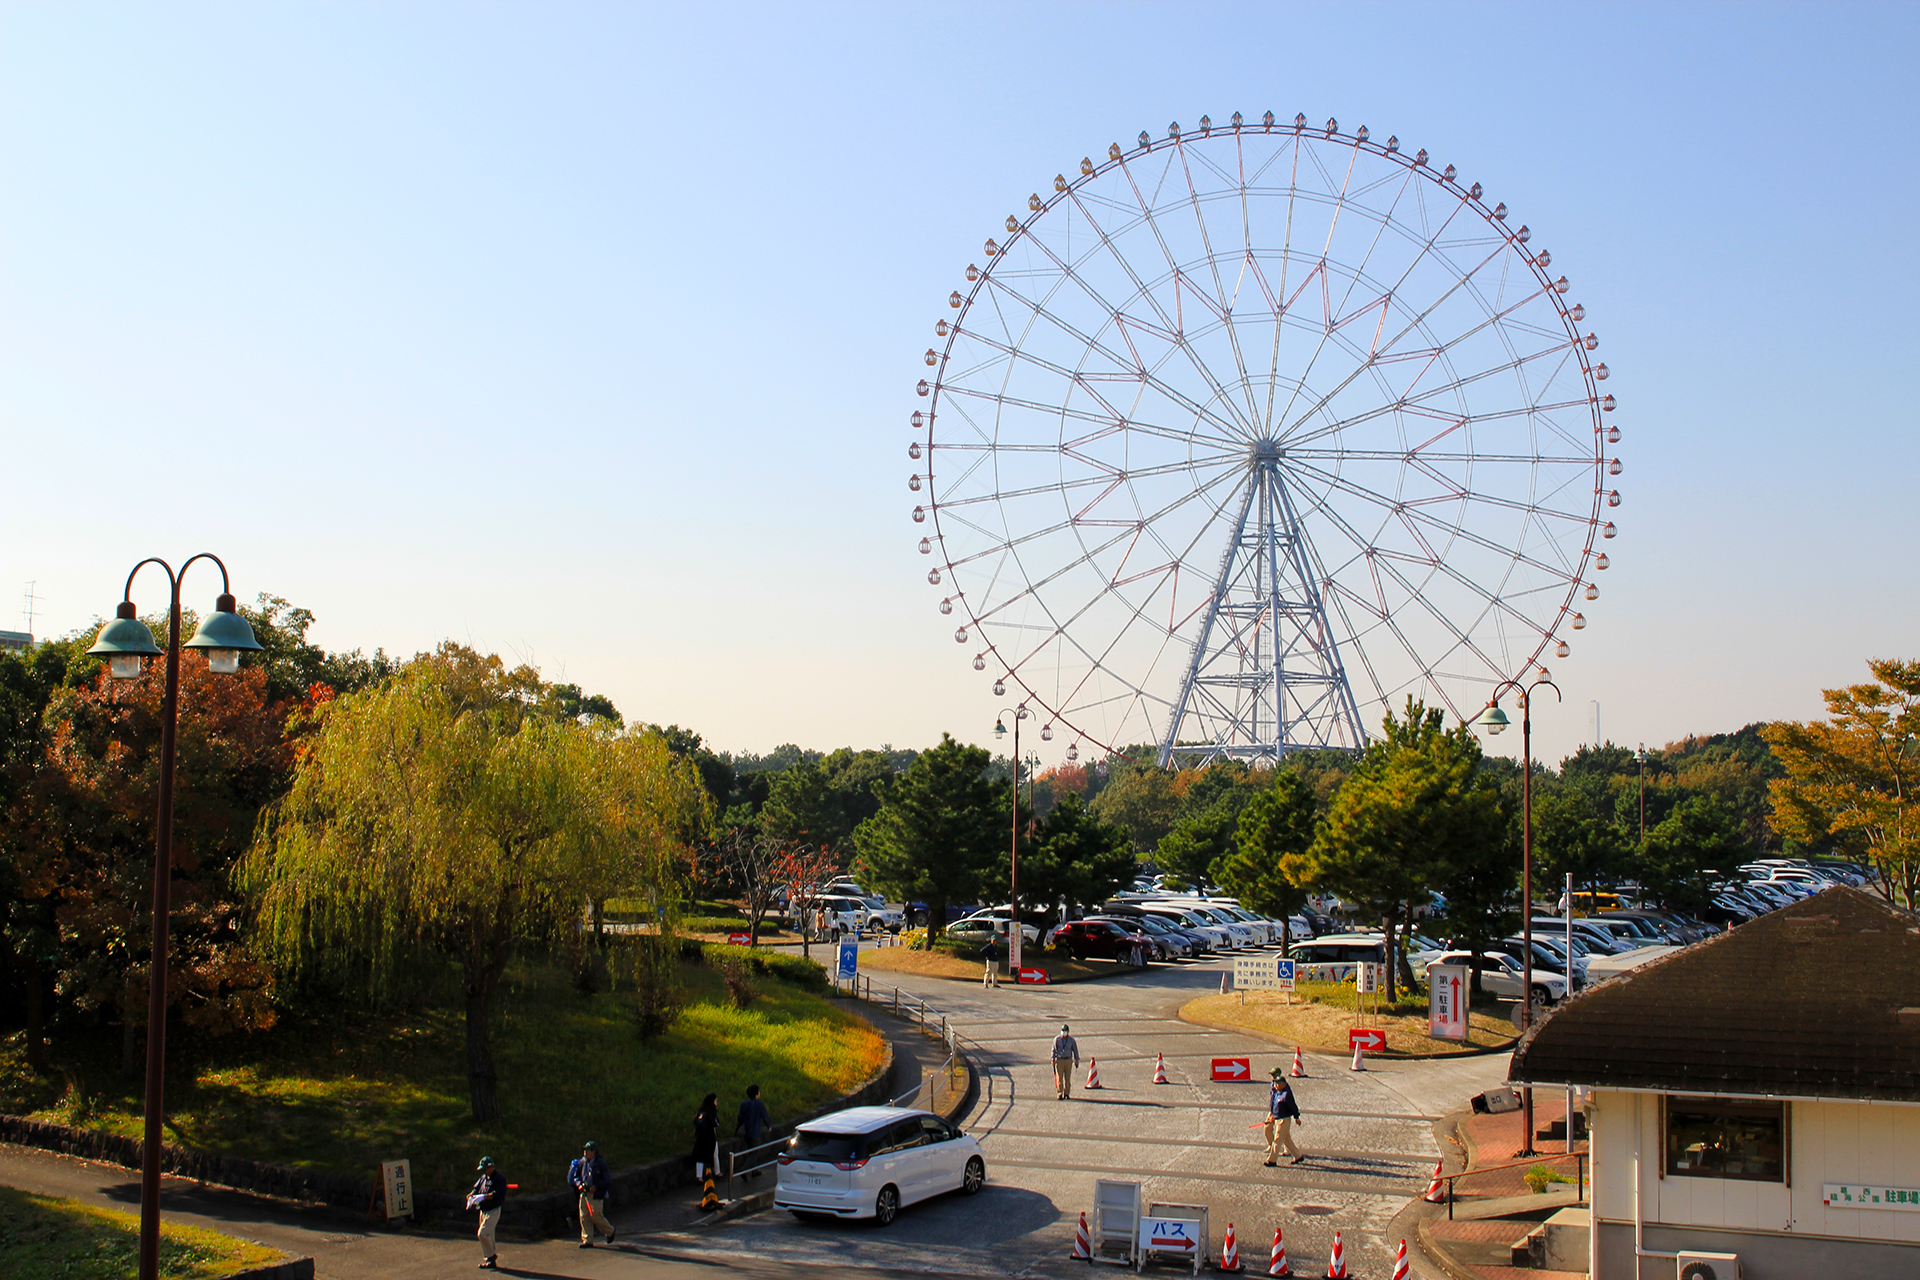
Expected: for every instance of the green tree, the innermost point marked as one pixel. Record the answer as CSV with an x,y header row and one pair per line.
x,y
1850,783
1699,836
1570,838
937,832
1187,854
1139,798
437,813
1414,806
1071,855
1276,825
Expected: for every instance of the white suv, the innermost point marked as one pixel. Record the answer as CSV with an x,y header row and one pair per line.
x,y
869,1161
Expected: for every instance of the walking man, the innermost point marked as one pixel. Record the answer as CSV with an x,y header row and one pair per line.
x,y
1282,1111
991,954
1066,1056
590,1181
486,1197
754,1122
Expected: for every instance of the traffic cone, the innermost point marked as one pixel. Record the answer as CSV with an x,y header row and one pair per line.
x,y
1337,1264
709,1199
1160,1068
1093,1073
1400,1269
1230,1252
1279,1265
1359,1059
1299,1068
1435,1193
1082,1247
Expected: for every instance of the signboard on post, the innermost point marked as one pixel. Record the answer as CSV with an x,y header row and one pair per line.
x,y
1171,1235
1373,1041
849,957
396,1183
1366,977
1233,1068
1033,977
1262,973
1448,986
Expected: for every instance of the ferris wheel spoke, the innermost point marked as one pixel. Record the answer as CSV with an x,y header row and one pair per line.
x,y
1224,306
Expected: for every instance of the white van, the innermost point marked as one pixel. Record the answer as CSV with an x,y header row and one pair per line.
x,y
867,1162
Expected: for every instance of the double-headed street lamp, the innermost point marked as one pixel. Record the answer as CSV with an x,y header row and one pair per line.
x,y
1013,865
1493,720
126,644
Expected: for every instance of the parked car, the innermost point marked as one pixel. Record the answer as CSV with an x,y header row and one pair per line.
x,y
1546,956
1199,944
1502,975
1243,934
1099,939
1171,942
1337,955
1598,939
978,929
1217,935
868,1162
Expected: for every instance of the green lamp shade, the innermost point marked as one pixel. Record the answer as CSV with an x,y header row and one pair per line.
x,y
1493,719
223,633
125,643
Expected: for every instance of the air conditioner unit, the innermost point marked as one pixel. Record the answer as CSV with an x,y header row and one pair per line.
x,y
1708,1266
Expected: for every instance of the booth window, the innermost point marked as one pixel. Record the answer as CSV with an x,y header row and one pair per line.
x,y
1715,1138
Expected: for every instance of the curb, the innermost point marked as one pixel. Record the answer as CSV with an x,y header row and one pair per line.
x,y
740,1208
291,1269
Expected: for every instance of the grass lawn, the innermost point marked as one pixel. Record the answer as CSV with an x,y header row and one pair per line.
x,y
343,1094
1322,1013
42,1238
942,964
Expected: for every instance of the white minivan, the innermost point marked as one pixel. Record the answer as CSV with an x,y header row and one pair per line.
x,y
869,1161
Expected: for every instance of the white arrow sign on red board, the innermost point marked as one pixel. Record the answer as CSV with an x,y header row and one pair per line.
x,y
1036,977
1370,1040
1233,1068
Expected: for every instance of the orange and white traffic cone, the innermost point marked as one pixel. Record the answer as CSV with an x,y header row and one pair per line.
x,y
1279,1267
1435,1194
1223,982
1093,1073
1230,1252
1400,1269
1299,1068
1160,1068
1082,1247
1359,1058
1337,1264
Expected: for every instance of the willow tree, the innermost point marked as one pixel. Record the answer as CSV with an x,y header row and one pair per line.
x,y
443,812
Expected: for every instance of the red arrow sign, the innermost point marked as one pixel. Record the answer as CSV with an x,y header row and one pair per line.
x,y
1233,1069
1037,977
1371,1041
738,939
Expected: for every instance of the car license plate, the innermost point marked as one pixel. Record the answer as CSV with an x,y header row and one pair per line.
x,y
815,1180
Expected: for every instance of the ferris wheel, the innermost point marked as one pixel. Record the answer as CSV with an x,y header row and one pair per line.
x,y
1235,439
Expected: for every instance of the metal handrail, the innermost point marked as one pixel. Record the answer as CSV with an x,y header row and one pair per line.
x,y
1580,1173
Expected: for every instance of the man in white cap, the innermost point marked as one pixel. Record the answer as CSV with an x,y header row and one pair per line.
x,y
1282,1111
1066,1056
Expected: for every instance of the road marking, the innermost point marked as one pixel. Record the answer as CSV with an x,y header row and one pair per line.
x,y
1410,1158
1359,1183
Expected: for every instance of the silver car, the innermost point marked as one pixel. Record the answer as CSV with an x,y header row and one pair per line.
x,y
869,1161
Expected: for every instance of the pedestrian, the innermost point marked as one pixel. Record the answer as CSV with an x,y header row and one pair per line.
x,y
590,1181
1282,1111
706,1137
991,954
754,1123
486,1196
1066,1056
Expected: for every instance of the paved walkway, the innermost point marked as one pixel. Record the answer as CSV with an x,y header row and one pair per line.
x,y
346,1246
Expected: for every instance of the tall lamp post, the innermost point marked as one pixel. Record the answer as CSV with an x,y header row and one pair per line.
x,y
126,643
1493,720
1013,865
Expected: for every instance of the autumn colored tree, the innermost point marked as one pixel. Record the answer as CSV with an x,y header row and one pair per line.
x,y
1851,782
802,872
1139,798
439,812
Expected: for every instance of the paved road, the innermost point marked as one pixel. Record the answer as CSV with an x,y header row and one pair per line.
x,y
1370,1137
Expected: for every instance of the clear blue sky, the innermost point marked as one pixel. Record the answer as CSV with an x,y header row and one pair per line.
x,y
587,333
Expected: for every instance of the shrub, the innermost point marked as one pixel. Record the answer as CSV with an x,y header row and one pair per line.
x,y
736,972
1540,1178
657,997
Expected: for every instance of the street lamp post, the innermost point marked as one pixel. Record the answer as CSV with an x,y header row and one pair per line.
x,y
126,643
1013,864
1493,720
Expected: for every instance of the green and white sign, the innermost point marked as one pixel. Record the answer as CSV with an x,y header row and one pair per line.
x,y
1837,1195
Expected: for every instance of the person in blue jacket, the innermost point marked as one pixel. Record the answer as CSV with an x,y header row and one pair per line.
x,y
489,1190
590,1181
753,1123
1282,1111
